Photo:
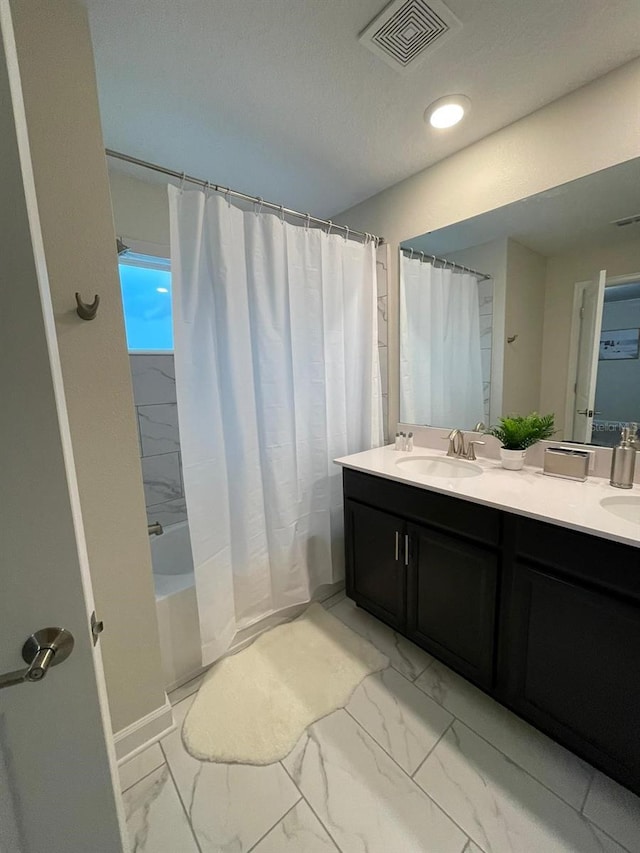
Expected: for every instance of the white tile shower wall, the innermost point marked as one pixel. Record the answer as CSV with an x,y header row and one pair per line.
x,y
154,390
383,326
485,301
154,379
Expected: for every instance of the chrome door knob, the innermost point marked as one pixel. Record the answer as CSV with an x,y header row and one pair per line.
x,y
42,650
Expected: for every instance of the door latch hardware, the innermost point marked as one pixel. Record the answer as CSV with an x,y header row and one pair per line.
x,y
96,627
42,650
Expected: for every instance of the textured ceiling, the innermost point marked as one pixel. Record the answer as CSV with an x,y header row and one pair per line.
x,y
278,98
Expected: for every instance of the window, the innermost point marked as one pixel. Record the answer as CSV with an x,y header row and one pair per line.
x,y
145,282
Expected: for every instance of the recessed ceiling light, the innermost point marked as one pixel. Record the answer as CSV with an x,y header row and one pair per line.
x,y
447,111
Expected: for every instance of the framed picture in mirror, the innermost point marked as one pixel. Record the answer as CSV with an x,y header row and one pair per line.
x,y
619,344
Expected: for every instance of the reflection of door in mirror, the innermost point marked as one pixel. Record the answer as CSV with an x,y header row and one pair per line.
x,y
440,355
585,345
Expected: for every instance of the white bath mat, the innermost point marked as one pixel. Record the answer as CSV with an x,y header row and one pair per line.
x,y
254,706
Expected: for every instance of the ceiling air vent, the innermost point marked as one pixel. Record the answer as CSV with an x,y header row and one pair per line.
x,y
628,220
407,31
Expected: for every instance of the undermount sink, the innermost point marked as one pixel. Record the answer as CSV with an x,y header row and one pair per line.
x,y
438,466
624,506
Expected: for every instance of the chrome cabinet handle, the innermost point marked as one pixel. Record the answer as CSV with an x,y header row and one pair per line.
x,y
42,650
397,545
406,549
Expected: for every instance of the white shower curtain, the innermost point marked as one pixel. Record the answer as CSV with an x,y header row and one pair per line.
x,y
277,374
440,361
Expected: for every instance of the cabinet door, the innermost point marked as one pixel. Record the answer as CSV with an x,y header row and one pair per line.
x,y
451,592
573,654
376,577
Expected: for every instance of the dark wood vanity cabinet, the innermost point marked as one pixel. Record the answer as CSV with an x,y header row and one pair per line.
x,y
545,619
429,568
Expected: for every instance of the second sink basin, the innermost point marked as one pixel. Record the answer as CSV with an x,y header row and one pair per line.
x,y
624,506
438,466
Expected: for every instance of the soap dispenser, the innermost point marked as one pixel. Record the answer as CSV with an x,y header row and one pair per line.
x,y
623,462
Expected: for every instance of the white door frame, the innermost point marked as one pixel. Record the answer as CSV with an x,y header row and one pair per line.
x,y
633,278
574,344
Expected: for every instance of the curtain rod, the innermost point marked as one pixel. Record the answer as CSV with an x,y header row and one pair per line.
x,y
283,211
422,255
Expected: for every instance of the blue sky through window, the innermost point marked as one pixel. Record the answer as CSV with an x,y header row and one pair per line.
x,y
146,298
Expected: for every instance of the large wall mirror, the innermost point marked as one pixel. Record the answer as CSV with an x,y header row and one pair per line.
x,y
530,307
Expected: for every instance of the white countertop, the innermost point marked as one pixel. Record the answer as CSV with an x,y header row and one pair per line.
x,y
527,492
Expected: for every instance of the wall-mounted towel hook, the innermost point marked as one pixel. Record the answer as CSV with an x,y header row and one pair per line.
x,y
512,338
87,312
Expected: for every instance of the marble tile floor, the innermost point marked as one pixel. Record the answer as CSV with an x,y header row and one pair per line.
x,y
419,761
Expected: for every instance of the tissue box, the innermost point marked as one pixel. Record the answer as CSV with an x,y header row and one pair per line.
x,y
562,462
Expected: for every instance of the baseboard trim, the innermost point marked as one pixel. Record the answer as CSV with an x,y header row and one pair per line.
x,y
144,732
185,679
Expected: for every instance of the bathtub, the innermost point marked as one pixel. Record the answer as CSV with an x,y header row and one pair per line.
x,y
172,560
176,605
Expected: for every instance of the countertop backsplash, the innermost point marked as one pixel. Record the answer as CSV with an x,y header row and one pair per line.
x,y
436,439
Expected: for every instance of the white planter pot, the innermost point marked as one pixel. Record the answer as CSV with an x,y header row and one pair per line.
x,y
512,459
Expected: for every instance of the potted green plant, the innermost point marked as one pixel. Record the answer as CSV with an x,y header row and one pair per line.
x,y
518,432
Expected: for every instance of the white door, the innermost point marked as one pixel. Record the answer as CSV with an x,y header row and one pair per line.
x,y
590,301
57,764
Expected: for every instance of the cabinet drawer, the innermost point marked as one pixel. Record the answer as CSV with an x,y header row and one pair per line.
x,y
473,521
599,561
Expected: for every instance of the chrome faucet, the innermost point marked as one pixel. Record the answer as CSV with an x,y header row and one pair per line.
x,y
471,449
456,443
457,448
